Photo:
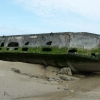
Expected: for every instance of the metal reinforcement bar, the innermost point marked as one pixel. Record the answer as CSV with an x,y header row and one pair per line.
x,y
80,51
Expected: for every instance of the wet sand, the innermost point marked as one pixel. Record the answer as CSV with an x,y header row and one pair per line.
x,y
36,82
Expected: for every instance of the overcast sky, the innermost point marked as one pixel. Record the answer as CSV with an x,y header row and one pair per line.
x,y
43,16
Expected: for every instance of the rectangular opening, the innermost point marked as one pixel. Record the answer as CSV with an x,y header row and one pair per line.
x,y
24,49
47,49
15,48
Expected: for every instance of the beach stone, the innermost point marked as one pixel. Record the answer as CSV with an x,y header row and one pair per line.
x,y
66,88
53,82
24,73
57,80
72,90
65,71
50,79
15,70
65,78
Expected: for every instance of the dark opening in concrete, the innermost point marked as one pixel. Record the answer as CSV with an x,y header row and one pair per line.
x,y
47,49
13,44
49,43
7,49
72,51
24,49
93,54
15,48
2,44
26,43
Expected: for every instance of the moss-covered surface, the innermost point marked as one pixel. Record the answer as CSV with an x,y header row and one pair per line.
x,y
54,50
52,58
55,56
88,52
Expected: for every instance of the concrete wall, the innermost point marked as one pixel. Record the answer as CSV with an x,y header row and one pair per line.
x,y
65,39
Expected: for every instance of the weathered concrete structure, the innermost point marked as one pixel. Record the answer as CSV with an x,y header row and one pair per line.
x,y
80,51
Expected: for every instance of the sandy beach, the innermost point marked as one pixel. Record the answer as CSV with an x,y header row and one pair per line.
x,y
22,81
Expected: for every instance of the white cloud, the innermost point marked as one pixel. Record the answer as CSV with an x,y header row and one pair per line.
x,y
55,16
48,8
